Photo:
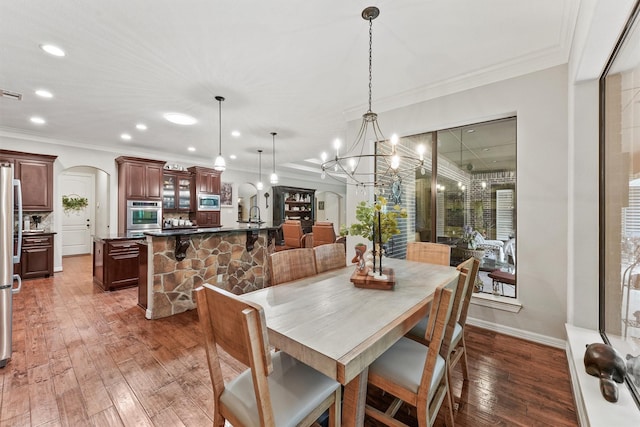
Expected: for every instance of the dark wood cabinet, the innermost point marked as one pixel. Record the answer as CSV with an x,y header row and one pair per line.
x,y
206,180
35,172
176,191
116,263
138,179
294,203
36,259
207,218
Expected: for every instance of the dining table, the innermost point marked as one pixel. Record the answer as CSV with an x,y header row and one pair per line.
x,y
339,329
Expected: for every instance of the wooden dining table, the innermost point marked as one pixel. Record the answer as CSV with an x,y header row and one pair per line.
x,y
339,329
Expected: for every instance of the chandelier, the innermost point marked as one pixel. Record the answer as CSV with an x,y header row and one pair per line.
x,y
220,164
390,162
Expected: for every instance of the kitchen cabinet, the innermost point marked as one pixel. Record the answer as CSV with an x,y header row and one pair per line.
x,y
36,259
176,191
116,263
35,172
206,219
294,203
206,181
138,179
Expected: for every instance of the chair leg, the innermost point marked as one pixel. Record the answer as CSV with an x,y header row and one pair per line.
x,y
463,358
449,398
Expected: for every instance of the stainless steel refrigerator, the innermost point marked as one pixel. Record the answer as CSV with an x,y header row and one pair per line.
x,y
8,187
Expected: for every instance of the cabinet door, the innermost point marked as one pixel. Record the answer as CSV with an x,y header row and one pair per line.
x,y
183,194
37,262
37,186
154,182
135,181
215,184
169,192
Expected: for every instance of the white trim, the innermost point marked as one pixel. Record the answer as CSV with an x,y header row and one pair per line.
x,y
518,333
498,302
578,399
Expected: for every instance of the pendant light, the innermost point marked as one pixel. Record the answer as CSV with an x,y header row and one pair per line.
x,y
259,185
391,161
274,177
220,164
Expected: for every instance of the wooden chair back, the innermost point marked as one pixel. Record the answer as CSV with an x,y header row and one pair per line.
x,y
428,400
292,233
432,253
323,233
285,266
329,257
239,328
460,294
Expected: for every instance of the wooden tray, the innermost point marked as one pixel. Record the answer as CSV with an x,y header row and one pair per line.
x,y
368,282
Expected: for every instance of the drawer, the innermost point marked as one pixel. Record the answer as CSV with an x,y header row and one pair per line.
x,y
124,246
28,241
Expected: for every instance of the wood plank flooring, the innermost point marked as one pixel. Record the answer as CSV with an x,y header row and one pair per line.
x,y
83,357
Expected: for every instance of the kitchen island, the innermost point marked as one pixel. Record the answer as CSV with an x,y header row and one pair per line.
x,y
236,258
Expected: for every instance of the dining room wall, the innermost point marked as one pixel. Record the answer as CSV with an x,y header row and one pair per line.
x,y
539,100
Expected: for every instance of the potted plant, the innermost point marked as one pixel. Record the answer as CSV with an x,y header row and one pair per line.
x,y
377,222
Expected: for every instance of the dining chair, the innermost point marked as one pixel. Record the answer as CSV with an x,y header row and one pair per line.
x,y
293,235
415,373
323,233
454,346
432,253
329,257
276,390
285,266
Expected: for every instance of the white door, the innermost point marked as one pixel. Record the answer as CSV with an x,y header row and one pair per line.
x,y
77,225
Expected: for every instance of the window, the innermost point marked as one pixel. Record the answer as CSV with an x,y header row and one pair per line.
x,y
620,201
475,188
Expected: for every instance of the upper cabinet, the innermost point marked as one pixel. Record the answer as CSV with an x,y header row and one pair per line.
x,y
176,191
35,173
206,180
140,179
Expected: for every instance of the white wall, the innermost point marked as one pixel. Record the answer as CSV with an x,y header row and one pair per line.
x,y
540,102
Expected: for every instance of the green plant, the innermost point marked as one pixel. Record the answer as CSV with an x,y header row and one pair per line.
x,y
74,203
367,215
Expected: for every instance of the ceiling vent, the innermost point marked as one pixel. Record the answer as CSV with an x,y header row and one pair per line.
x,y
11,95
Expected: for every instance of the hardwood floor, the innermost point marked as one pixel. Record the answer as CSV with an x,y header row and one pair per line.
x,y
86,357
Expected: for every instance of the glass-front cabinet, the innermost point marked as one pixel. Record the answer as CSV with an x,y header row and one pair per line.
x,y
176,191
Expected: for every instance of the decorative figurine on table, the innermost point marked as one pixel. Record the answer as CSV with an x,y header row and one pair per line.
x,y
603,361
361,267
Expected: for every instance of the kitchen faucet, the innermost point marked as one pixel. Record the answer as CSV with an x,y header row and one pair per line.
x,y
252,217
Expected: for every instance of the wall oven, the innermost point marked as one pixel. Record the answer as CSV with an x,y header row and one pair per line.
x,y
144,215
208,202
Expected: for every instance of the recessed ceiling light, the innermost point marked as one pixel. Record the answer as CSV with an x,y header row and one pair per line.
x,y
180,119
235,133
191,148
233,157
44,93
486,149
38,120
125,136
141,126
52,50
471,130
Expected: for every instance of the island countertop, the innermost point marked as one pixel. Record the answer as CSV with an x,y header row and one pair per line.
x,y
168,232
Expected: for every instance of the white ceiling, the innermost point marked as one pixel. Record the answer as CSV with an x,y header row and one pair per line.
x,y
295,67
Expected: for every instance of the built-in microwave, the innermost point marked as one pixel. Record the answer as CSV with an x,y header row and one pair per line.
x,y
208,202
144,215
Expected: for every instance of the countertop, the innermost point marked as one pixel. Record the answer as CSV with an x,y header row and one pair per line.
x,y
184,231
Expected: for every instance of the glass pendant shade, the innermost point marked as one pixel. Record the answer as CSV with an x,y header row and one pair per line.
x,y
259,184
219,164
273,179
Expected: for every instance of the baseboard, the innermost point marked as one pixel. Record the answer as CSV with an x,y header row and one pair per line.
x,y
519,333
57,269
